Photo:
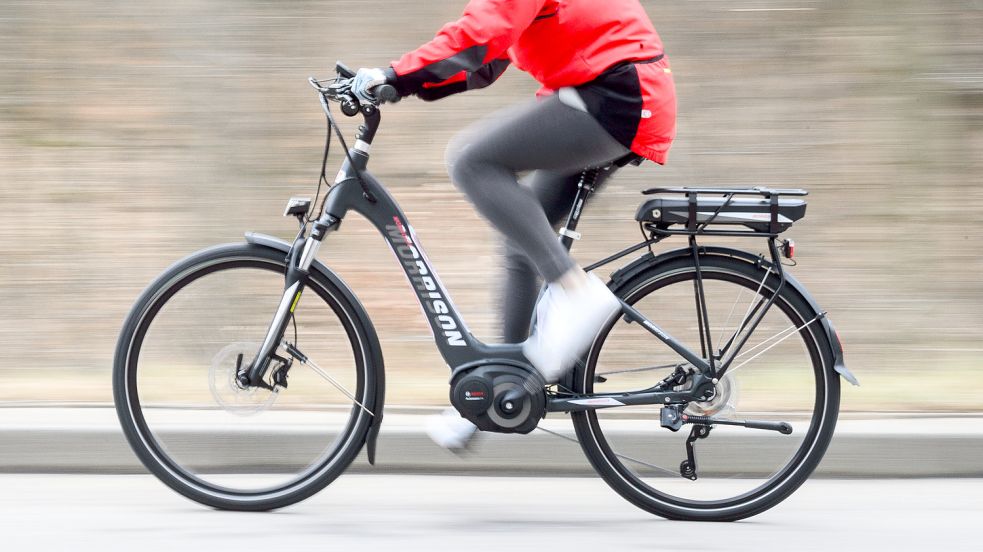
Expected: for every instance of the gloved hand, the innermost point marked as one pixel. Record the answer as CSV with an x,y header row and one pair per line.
x,y
365,80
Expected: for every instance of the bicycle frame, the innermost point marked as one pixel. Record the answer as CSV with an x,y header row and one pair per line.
x,y
357,190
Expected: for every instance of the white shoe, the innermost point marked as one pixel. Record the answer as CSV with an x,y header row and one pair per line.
x,y
567,321
450,431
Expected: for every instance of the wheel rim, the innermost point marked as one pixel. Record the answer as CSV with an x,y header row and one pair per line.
x,y
170,383
731,475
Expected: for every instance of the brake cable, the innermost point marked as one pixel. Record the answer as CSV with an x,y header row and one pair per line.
x,y
323,179
348,154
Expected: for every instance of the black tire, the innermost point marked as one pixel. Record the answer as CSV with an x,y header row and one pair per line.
x,y
220,264
804,455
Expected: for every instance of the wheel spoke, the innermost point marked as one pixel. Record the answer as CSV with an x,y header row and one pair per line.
x,y
636,370
646,464
619,455
752,309
723,328
219,443
741,467
789,332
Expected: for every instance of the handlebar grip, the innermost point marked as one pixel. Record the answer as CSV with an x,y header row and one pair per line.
x,y
386,93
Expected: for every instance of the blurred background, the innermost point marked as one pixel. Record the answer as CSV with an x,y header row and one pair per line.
x,y
133,133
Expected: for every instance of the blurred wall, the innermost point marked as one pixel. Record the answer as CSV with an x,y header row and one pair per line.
x,y
132,133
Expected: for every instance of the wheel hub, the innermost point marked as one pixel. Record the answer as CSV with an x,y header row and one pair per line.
x,y
228,391
724,401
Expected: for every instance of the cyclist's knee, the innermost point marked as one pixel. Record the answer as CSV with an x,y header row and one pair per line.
x,y
462,163
467,163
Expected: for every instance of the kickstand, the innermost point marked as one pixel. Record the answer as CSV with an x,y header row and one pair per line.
x,y
688,467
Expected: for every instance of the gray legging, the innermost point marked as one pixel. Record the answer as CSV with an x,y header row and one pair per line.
x,y
557,141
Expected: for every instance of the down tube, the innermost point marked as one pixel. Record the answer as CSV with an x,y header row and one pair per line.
x,y
454,340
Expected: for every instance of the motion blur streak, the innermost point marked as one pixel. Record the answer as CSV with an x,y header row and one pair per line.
x,y
132,133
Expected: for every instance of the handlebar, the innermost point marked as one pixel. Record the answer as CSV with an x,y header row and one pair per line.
x,y
340,91
385,93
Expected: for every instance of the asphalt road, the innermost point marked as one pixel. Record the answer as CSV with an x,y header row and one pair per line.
x,y
399,512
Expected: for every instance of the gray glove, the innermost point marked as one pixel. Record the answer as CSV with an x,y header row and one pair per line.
x,y
365,80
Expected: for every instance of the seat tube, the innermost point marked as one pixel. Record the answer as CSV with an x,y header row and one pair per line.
x,y
584,189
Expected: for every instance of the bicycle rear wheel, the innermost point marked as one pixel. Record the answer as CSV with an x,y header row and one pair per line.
x,y
783,373
244,449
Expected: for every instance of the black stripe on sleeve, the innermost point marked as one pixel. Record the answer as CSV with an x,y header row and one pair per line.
x,y
487,74
466,60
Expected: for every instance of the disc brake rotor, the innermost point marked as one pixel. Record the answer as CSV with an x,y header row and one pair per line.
x,y
227,392
724,402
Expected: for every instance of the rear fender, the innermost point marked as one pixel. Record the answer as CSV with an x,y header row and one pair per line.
x,y
626,273
377,401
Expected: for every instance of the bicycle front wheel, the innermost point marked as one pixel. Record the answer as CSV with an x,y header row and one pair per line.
x,y
782,374
202,434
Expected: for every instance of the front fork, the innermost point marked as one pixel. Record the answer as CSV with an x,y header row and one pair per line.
x,y
299,261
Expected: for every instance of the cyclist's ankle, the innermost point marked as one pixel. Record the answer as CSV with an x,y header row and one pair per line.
x,y
573,279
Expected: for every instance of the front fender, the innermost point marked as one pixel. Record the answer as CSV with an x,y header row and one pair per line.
x,y
378,400
648,260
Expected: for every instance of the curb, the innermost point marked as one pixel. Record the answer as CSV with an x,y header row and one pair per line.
x,y
870,448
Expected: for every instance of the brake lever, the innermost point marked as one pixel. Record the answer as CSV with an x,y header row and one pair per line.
x,y
343,70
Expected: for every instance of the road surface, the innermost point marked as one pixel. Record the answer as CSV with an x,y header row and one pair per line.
x,y
408,512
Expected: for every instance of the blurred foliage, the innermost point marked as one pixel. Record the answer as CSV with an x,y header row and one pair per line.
x,y
132,133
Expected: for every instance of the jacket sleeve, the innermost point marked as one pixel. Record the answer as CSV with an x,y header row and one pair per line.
x,y
464,81
480,38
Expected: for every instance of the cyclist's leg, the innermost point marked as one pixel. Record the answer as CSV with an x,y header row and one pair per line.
x,y
483,162
548,135
521,284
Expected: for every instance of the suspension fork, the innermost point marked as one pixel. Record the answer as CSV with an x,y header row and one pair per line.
x,y
299,261
304,250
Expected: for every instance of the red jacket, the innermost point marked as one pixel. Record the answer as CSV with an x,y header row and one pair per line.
x,y
579,43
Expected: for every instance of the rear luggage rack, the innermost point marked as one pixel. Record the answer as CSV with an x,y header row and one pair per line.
x,y
769,215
